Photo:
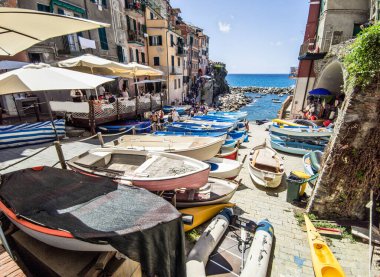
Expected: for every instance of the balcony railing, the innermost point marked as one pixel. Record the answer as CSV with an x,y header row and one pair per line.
x,y
176,70
136,37
134,5
181,51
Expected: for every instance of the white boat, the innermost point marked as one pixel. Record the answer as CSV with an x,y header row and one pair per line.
x,y
295,147
216,191
265,166
231,125
301,131
228,153
312,162
150,170
224,168
200,148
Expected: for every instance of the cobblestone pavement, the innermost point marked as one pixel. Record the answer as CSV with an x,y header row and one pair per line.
x,y
291,255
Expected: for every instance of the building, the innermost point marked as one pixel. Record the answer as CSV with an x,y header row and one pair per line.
x,y
165,49
329,23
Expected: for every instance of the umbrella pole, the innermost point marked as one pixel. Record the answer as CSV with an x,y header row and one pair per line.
x,y
51,117
18,113
137,94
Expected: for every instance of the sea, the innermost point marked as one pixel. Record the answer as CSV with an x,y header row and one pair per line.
x,y
261,108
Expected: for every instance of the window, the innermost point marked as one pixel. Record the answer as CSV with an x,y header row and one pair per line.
x,y
130,55
43,8
179,83
120,53
179,61
155,40
134,25
137,56
156,61
172,61
104,3
171,40
357,29
151,16
142,57
103,38
175,83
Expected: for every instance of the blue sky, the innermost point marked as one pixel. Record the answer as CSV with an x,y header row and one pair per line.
x,y
250,36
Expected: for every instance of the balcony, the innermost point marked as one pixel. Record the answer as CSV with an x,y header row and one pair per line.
x,y
135,37
293,73
310,51
135,6
181,51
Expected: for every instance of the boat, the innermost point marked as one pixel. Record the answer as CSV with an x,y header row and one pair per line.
x,y
305,122
301,132
228,153
262,121
258,96
150,170
200,148
281,122
78,212
233,115
265,166
276,101
216,191
30,133
230,143
224,168
280,95
214,118
240,136
194,134
141,127
324,262
205,245
180,109
241,126
190,127
294,147
202,214
312,162
230,125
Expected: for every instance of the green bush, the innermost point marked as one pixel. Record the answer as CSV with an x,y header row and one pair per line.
x,y
363,60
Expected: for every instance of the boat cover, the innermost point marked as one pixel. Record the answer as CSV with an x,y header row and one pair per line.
x,y
137,223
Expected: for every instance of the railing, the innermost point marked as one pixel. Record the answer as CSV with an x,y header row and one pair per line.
x,y
181,51
176,70
309,46
134,5
136,37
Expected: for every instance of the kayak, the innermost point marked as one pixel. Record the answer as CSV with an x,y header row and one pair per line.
x,y
202,214
324,262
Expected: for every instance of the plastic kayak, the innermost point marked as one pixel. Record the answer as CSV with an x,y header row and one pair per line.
x,y
324,262
202,214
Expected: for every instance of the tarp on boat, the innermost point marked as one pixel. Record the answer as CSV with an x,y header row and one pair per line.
x,y
139,224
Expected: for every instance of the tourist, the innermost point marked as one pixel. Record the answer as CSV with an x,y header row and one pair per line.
x,y
154,120
76,95
175,115
161,119
124,91
170,117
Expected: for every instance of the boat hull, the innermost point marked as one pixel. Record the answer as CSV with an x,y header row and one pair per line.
x,y
300,132
285,147
228,153
224,168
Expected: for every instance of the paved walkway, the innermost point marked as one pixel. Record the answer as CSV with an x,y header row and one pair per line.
x,y
291,250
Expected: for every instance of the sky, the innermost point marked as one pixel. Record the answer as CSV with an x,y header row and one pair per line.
x,y
250,36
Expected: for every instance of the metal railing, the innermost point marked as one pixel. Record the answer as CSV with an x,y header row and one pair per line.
x,y
136,37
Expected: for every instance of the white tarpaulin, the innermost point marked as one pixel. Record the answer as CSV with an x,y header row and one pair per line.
x,y
87,43
69,107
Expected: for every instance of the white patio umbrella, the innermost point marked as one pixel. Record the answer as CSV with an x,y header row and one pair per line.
x,y
43,77
21,28
139,70
95,65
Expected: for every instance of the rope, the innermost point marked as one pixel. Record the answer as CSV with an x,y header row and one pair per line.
x,y
26,158
85,139
111,135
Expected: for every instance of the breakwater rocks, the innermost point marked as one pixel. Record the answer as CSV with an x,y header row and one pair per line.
x,y
233,101
263,90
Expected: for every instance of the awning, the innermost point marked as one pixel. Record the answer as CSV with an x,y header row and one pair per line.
x,y
9,65
149,81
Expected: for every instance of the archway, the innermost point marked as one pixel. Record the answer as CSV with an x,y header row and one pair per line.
x,y
331,78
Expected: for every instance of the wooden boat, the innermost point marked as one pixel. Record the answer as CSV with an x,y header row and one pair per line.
x,y
200,148
265,166
191,134
216,191
312,162
324,262
224,168
294,147
230,143
78,212
180,109
301,132
228,153
30,134
202,214
141,127
150,170
191,127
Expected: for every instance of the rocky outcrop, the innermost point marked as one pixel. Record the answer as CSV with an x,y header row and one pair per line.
x,y
233,101
263,90
219,72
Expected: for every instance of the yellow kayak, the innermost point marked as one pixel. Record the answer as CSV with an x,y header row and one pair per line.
x,y
324,262
202,214
284,122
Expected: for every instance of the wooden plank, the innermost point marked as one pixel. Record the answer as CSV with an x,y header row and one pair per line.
x,y
7,266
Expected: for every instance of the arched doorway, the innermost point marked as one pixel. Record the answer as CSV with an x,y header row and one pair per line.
x,y
331,78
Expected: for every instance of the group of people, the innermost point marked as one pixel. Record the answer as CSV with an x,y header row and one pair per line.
x,y
322,108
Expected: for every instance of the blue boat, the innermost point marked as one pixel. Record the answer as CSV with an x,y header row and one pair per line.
x,y
214,118
141,127
190,127
196,134
233,115
230,143
294,147
30,134
180,109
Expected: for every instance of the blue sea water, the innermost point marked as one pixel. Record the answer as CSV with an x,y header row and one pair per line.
x,y
261,108
260,80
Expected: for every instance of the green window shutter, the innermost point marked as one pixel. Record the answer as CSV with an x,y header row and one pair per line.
x,y
150,41
159,40
144,28
120,53
43,8
103,38
128,22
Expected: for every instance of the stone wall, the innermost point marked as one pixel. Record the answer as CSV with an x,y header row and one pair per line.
x,y
351,165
